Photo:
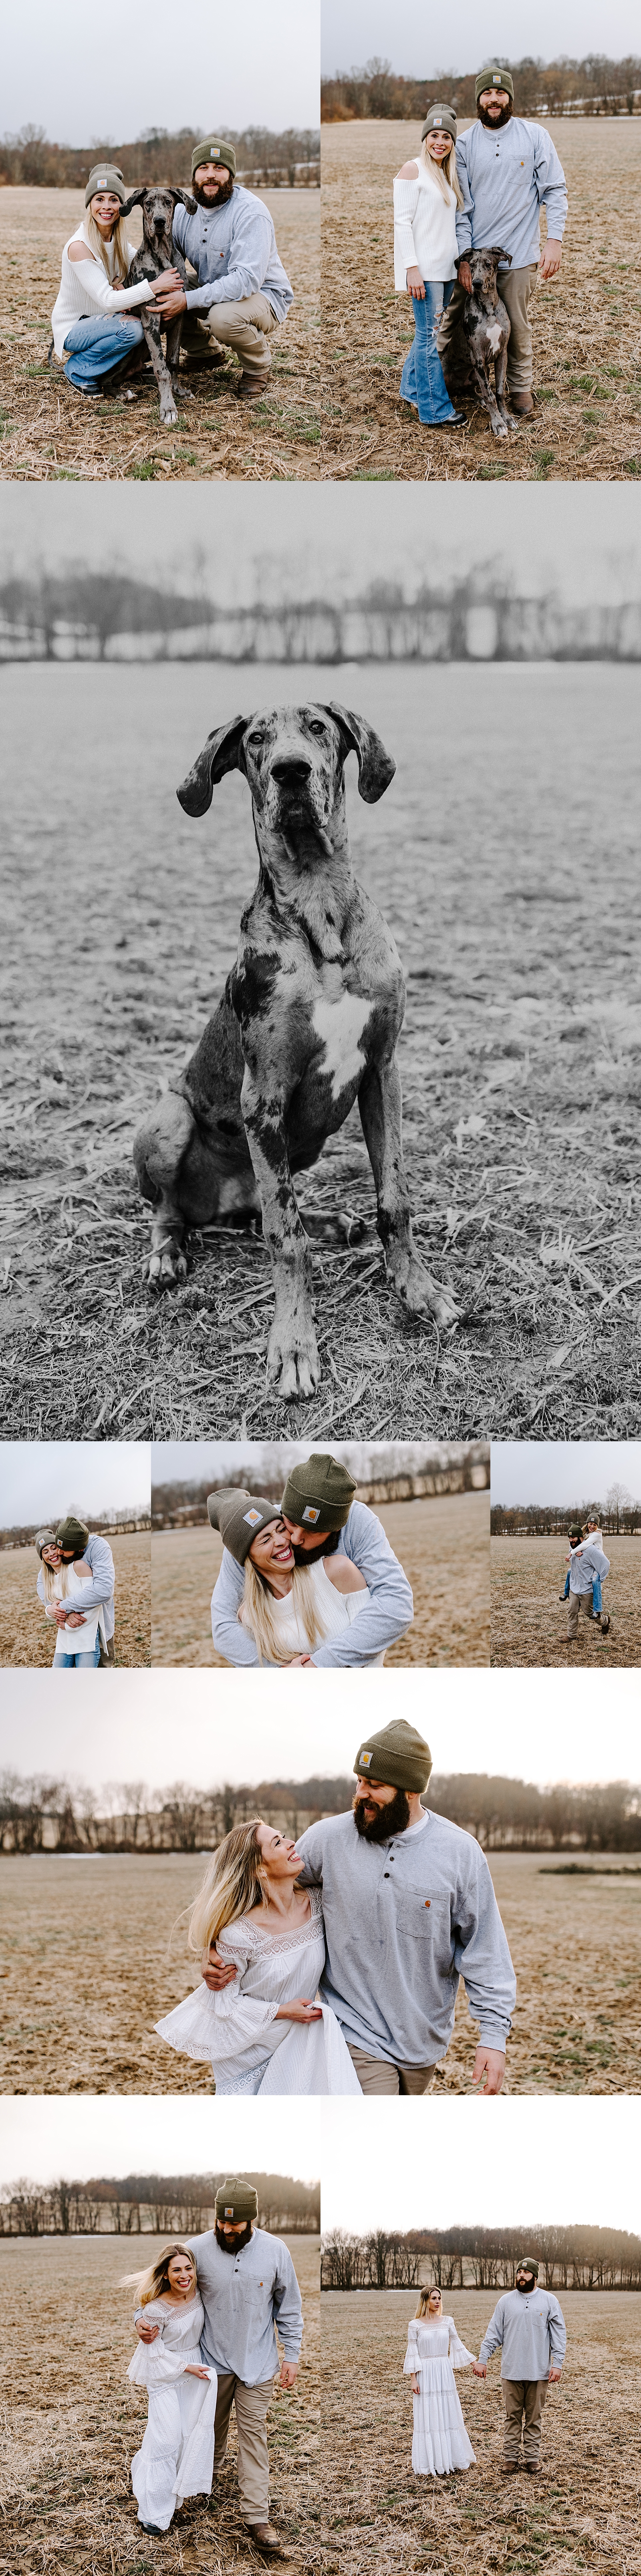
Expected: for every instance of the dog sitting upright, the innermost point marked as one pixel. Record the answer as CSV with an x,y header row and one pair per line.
x,y
158,252
308,1024
485,325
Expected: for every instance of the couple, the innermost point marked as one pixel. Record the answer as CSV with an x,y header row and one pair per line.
x,y
313,1581
332,1965
458,196
588,1568
241,295
206,2318
76,1585
529,2330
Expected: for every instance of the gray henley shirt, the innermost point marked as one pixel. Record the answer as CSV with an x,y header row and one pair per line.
x,y
530,2330
404,1920
245,2296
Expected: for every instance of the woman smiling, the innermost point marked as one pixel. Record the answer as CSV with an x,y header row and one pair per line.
x,y
96,333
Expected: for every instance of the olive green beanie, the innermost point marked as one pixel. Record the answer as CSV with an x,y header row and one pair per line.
x,y
103,176
396,1756
528,2263
238,1516
493,78
439,120
212,148
44,1538
236,2199
72,1533
319,1494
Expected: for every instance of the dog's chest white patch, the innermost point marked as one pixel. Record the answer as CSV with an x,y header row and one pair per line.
x,y
494,337
340,1025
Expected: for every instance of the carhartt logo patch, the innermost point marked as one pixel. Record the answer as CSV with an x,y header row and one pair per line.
x,y
428,1900
311,1512
228,2213
437,120
364,1761
253,1519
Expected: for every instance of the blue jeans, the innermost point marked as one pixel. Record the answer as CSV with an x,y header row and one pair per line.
x,y
422,381
98,342
83,1663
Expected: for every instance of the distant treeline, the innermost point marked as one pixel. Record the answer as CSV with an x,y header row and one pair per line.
x,y
45,1815
101,1524
457,1470
263,159
481,2258
478,617
151,2204
545,1520
594,87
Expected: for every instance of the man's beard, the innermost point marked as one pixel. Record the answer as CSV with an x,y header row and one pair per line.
x,y
220,199
233,2244
492,123
310,1555
526,2286
389,1820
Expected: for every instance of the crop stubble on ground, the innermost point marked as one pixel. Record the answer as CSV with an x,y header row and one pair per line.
x,y
529,1621
586,326
92,1961
583,2512
52,433
72,2421
443,1547
26,1637
516,1005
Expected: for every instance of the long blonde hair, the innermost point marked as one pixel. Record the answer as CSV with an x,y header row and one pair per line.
x,y
235,1881
442,171
150,2285
56,1581
257,1614
424,2297
120,246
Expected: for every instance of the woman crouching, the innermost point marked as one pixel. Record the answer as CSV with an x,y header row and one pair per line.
x,y
176,2458
95,328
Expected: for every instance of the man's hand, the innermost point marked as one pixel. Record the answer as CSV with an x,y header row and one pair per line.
x,y
171,301
550,262
302,2009
214,1973
76,1619
479,2370
554,2374
298,1662
59,1614
490,2063
288,2371
465,276
415,284
147,2334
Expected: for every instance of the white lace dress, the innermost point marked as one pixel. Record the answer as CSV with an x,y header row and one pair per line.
x,y
249,2051
176,2458
440,2441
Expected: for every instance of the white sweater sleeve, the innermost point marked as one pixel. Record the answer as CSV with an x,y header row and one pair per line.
x,y
92,278
406,194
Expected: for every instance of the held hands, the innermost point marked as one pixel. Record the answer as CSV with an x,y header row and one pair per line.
x,y
488,2062
479,2370
214,1973
415,284
302,2009
76,1619
550,262
146,2334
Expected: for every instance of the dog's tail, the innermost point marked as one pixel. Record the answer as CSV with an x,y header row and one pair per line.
x,y
49,353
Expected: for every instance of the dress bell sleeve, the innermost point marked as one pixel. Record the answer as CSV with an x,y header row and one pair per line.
x,y
458,2353
411,2362
152,2366
219,2026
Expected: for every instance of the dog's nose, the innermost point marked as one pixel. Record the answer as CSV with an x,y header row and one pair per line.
x,y
292,772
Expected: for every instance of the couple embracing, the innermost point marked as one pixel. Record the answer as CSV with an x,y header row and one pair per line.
x,y
332,1965
308,1581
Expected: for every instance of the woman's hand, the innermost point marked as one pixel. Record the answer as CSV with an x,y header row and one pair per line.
x,y
415,284
194,2370
297,1663
169,283
302,2009
416,2385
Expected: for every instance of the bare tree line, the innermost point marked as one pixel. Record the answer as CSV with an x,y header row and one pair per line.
x,y
480,2258
619,1517
384,1476
595,86
150,2204
264,159
49,1815
89,615
105,1524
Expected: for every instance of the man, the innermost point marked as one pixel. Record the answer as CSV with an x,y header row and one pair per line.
x,y
248,2286
243,291
409,1908
73,1539
321,1515
588,1568
508,169
529,2328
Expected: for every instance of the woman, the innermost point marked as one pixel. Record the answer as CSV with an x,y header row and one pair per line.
x,y
83,1629
93,323
426,196
176,2458
434,2352
287,1608
264,2032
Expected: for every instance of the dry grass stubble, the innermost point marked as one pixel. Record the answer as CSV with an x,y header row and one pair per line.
x,y
72,2421
583,2512
587,346
442,1545
26,1637
529,1620
50,433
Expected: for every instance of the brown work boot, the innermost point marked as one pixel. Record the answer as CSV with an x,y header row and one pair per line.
x,y
521,402
533,2468
265,2537
509,2468
250,388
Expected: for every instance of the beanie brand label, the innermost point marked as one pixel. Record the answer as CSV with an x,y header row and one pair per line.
x,y
228,2213
364,1760
311,1512
437,120
252,1518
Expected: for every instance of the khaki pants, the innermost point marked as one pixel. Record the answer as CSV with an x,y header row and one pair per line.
x,y
515,288
523,2397
376,2076
578,1601
253,2464
243,327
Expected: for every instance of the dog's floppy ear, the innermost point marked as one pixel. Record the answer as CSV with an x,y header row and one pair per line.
x,y
375,768
136,199
502,254
182,198
221,752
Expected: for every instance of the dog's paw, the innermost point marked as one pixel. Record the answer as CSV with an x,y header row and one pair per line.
x,y
166,1268
421,1297
169,415
499,429
293,1365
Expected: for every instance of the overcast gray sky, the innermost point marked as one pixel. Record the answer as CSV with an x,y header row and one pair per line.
x,y
105,2135
353,30
211,1727
563,1471
533,2161
210,72
300,540
45,1478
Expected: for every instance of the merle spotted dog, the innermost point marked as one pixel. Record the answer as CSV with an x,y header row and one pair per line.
x,y
308,1024
485,324
157,252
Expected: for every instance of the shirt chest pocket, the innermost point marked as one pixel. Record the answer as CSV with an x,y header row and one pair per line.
x,y
424,1918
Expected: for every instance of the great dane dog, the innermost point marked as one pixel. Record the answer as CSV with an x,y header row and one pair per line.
x,y
485,325
308,1024
158,251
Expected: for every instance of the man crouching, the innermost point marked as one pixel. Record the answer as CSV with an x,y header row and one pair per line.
x,y
243,292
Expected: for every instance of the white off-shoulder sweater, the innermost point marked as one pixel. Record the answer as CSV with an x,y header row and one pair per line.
x,y
85,288
424,229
